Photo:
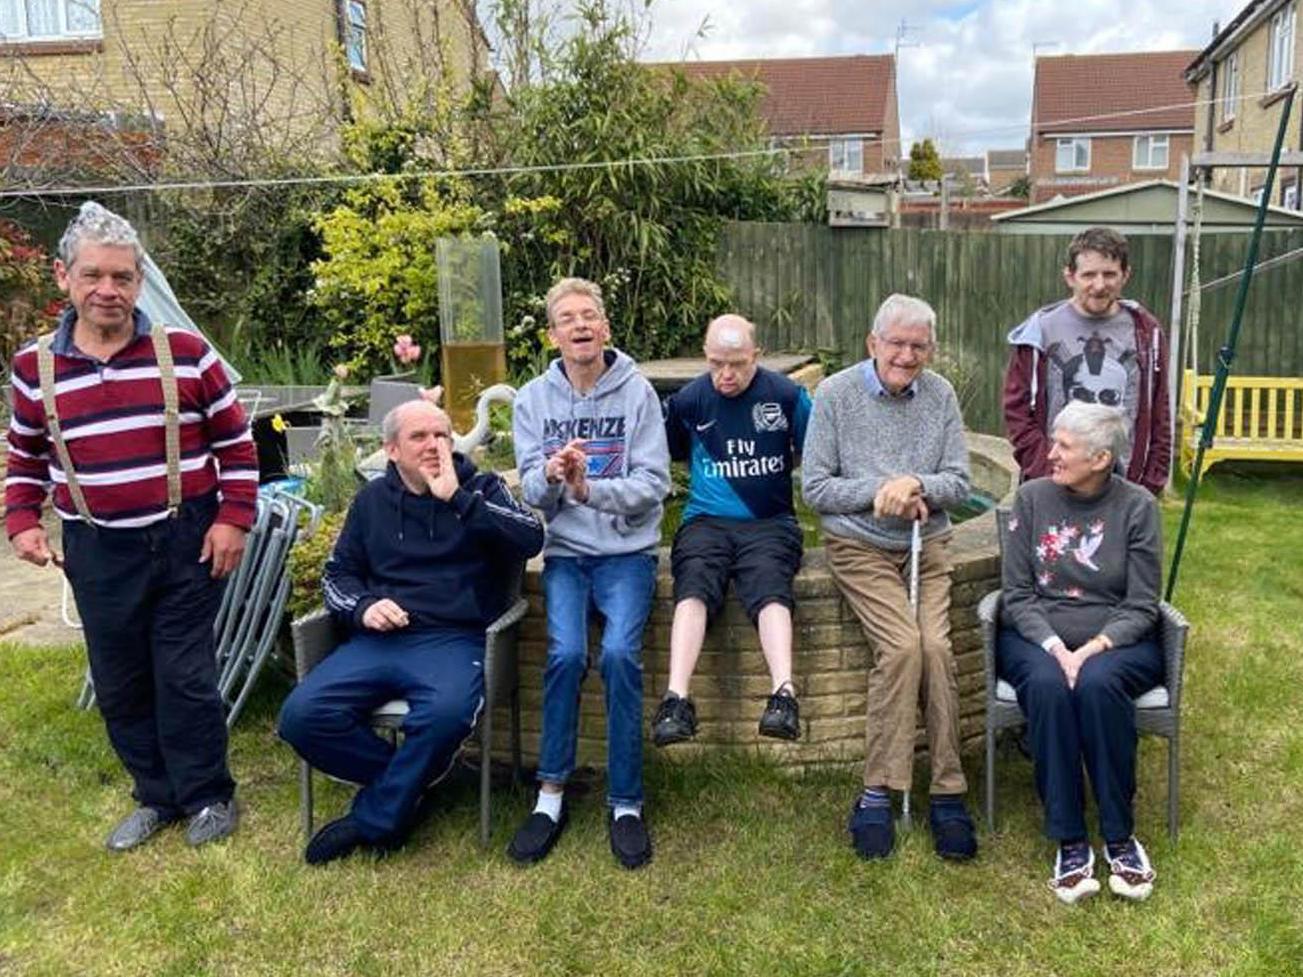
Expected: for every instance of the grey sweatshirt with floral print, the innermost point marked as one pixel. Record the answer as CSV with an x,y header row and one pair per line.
x,y
1076,566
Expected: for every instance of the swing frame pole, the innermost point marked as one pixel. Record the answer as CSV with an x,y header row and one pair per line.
x,y
1226,354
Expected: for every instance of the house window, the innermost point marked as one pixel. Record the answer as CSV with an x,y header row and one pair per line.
x,y
1149,153
39,20
355,35
1289,197
1280,48
846,155
1230,86
1072,155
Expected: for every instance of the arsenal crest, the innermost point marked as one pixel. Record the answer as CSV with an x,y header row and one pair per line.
x,y
769,417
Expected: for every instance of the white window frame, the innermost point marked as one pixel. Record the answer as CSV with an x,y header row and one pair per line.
x,y
846,155
355,35
1280,48
1152,142
1289,197
1230,86
1073,144
17,13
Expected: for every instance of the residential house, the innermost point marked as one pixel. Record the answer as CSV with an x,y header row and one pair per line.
x,y
265,70
1004,168
965,173
835,113
1241,78
1103,120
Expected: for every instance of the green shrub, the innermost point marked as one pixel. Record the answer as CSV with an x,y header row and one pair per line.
x,y
307,563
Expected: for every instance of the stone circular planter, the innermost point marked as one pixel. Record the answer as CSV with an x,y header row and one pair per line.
x,y
830,653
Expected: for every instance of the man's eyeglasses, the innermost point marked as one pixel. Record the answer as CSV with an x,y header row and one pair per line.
x,y
899,346
589,317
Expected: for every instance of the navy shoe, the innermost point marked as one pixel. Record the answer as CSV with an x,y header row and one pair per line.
x,y
537,836
872,828
630,843
338,839
953,833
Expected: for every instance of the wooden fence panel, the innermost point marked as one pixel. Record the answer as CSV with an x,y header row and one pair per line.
x,y
813,287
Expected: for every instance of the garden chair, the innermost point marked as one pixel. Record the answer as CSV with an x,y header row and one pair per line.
x,y
1158,711
316,635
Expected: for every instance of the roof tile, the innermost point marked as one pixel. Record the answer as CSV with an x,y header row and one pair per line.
x,y
1075,93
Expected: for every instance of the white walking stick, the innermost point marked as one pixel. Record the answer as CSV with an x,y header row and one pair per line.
x,y
915,546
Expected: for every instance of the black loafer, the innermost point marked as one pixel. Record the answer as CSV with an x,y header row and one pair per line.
x,y
338,839
630,843
537,836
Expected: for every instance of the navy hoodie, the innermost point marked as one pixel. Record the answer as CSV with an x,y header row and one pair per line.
x,y
447,564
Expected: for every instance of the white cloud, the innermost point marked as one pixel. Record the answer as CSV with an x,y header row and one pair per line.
x,y
966,76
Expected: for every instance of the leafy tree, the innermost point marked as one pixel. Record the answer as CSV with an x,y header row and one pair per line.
x,y
924,161
1021,187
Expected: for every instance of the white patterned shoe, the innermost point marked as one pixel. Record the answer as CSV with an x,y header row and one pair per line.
x,y
1130,874
1074,873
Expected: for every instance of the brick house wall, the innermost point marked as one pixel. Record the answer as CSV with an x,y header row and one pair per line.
x,y
1253,125
1111,164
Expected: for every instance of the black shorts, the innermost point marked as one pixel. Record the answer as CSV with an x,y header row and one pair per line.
x,y
761,556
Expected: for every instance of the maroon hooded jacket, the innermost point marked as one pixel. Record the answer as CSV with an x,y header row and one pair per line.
x,y
1025,411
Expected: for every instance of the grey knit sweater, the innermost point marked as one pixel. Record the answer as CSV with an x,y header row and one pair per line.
x,y
857,440
1076,566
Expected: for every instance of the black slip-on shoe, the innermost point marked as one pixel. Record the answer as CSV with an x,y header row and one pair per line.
x,y
630,843
782,717
872,829
537,836
338,839
953,833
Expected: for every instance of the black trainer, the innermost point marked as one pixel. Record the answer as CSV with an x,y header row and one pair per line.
x,y
675,720
630,843
337,839
782,716
536,837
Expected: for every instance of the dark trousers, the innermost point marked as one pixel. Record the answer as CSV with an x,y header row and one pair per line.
x,y
1094,722
147,607
327,717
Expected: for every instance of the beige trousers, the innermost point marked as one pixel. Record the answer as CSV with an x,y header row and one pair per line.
x,y
913,664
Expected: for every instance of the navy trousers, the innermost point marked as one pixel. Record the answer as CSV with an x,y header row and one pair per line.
x,y
327,717
1094,722
147,607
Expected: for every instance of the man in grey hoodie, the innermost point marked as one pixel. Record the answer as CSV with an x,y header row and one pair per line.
x,y
590,447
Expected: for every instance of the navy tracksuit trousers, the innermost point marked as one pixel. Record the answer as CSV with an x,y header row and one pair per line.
x,y
147,607
1094,722
327,717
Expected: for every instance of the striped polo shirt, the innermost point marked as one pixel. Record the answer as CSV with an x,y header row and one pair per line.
x,y
111,414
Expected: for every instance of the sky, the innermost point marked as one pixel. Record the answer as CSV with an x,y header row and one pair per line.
x,y
965,68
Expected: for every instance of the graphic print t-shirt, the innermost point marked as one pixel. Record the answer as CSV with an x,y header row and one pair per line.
x,y
742,449
1092,360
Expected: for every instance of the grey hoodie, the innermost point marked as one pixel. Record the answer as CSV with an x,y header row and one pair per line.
x,y
628,461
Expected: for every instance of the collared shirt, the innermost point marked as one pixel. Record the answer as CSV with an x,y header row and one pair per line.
x,y
111,414
874,382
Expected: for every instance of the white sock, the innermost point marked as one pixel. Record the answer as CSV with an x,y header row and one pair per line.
x,y
549,804
620,810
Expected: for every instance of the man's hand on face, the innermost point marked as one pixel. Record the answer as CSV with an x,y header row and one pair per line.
x,y
901,497
443,483
224,545
384,615
33,546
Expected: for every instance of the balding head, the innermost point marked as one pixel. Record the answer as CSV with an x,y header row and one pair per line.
x,y
731,354
730,332
392,425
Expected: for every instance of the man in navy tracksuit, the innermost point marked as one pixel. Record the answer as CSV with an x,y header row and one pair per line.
x,y
420,569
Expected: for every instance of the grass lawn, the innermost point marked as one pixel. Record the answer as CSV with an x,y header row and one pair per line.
x,y
753,873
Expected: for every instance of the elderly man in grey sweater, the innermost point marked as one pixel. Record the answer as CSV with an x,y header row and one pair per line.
x,y
886,447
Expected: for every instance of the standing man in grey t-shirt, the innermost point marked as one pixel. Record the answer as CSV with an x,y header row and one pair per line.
x,y
1095,347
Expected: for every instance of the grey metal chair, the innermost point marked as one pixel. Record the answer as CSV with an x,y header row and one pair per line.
x,y
1158,711
316,635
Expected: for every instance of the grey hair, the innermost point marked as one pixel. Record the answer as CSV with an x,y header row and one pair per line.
x,y
95,224
904,309
392,424
1100,427
574,286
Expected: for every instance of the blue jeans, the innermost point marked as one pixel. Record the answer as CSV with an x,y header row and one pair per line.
x,y
620,588
1094,722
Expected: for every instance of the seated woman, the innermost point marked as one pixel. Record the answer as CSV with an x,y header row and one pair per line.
x,y
1078,642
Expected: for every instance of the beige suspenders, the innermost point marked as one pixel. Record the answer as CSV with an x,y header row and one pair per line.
x,y
171,418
